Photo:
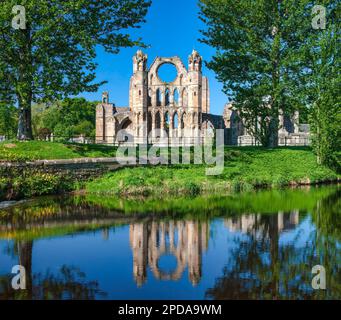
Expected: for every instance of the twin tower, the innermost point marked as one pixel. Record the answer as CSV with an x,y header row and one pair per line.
x,y
178,109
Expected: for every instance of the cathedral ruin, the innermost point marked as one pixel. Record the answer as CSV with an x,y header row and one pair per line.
x,y
177,113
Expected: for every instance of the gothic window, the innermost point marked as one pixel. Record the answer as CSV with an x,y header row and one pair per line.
x,y
167,120
158,97
176,96
157,121
150,97
183,117
167,101
175,121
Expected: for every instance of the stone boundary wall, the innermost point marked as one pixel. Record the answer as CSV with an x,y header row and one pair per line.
x,y
82,168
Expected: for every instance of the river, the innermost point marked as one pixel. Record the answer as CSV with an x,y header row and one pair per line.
x,y
257,245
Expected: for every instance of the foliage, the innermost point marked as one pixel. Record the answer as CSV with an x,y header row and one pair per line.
x,y
257,57
65,119
53,57
269,57
8,120
31,183
323,87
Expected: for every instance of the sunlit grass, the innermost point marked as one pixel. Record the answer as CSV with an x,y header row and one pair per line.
x,y
42,150
245,169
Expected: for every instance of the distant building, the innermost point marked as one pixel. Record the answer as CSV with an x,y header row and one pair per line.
x,y
290,133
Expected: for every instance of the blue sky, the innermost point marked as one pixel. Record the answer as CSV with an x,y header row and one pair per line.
x,y
171,28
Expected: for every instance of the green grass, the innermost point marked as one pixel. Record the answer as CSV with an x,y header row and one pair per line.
x,y
245,169
41,150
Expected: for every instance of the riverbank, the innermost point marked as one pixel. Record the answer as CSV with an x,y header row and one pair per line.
x,y
244,169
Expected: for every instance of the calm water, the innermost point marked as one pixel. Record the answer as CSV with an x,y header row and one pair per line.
x,y
250,246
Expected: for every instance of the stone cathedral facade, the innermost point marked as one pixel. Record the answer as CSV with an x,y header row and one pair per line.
x,y
177,113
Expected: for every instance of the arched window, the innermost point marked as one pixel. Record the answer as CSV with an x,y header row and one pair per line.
x,y
183,118
157,120
175,121
167,101
176,96
150,93
184,98
158,97
167,120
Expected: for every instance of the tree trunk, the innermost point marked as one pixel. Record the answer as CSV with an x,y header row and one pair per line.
x,y
24,121
24,87
273,133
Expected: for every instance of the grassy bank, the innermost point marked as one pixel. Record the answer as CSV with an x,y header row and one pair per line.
x,y
42,150
245,169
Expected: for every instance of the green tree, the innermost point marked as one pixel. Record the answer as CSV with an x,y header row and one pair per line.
x,y
53,56
65,119
323,86
259,57
8,120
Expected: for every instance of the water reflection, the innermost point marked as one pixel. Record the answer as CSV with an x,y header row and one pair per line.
x,y
185,240
74,248
255,224
68,283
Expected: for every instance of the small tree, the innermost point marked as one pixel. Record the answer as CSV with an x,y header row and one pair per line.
x,y
52,53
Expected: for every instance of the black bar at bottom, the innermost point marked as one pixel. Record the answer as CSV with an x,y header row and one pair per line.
x,y
163,309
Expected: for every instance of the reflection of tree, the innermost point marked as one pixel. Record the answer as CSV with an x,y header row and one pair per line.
x,y
262,268
327,215
69,283
327,218
249,275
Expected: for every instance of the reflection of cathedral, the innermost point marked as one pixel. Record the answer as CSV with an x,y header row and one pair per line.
x,y
251,223
185,240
